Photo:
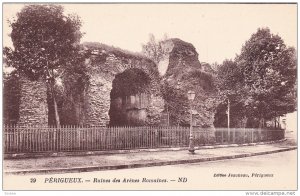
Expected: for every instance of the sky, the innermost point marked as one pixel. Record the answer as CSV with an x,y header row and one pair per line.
x,y
217,31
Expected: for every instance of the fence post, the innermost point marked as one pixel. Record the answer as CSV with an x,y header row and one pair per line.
x,y
5,138
233,137
221,136
170,137
38,146
116,138
33,138
21,143
244,132
228,136
60,138
79,137
15,138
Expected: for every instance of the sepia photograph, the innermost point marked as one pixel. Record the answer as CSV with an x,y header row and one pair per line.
x,y
149,96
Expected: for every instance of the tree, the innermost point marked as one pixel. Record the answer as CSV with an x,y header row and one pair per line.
x,y
229,82
44,42
260,82
229,78
153,49
269,75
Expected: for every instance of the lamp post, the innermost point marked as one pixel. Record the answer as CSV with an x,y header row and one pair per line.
x,y
191,97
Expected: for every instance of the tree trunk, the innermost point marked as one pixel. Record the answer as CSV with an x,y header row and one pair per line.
x,y
52,83
261,122
244,122
57,120
228,113
168,116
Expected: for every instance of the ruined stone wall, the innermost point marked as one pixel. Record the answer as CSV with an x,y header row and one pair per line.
x,y
97,97
11,98
181,69
103,66
155,109
184,73
33,102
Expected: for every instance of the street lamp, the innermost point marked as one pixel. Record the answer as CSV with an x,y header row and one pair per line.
x,y
191,97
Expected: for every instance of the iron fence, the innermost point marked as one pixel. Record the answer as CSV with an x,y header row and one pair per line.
x,y
73,138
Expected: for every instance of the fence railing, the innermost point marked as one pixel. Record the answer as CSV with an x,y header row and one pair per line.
x,y
71,138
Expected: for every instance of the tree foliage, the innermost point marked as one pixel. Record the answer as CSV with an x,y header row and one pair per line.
x,y
130,82
262,77
269,74
45,41
153,49
229,81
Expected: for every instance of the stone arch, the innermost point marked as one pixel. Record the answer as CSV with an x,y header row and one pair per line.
x,y
130,97
103,66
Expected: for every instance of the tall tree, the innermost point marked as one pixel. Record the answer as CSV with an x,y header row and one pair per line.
x,y
269,74
153,49
44,41
229,80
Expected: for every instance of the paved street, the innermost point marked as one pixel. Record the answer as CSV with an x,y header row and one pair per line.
x,y
116,161
274,171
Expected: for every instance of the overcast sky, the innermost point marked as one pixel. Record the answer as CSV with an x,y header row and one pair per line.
x,y
217,31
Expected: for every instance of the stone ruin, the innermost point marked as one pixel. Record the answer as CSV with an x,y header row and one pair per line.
x,y
33,108
100,101
103,67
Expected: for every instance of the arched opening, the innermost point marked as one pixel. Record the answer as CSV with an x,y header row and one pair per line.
x,y
130,96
